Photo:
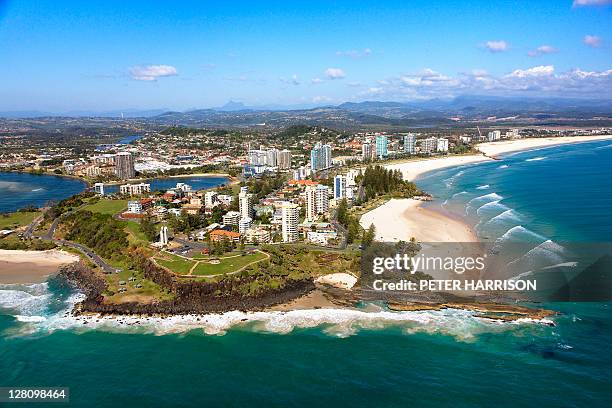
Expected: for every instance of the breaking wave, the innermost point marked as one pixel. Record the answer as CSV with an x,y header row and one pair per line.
x,y
34,319
536,159
483,187
508,215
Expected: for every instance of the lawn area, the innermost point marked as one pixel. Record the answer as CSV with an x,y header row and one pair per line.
x,y
175,263
207,257
17,219
149,291
227,265
105,206
136,236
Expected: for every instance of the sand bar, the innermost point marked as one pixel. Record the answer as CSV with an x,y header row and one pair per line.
x,y
17,266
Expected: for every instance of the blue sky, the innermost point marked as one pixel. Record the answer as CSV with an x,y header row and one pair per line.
x,y
99,55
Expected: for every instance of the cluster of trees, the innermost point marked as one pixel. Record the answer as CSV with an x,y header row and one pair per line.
x,y
349,221
187,222
265,185
68,204
147,226
376,180
100,232
33,244
209,168
221,247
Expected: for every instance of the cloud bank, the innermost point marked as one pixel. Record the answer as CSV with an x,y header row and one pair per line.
x,y
540,80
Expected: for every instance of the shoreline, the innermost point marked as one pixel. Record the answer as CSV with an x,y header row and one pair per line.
x,y
492,149
21,266
413,169
435,225
403,219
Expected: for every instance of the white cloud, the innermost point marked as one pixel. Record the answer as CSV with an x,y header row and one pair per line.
x,y
316,81
542,70
334,73
355,53
544,49
587,3
592,41
535,81
496,46
152,72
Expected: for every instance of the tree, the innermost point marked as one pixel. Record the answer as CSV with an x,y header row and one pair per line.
x,y
147,226
368,236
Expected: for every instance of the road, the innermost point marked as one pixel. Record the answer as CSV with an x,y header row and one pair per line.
x,y
48,236
101,263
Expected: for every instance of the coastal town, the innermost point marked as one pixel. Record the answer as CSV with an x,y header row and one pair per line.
x,y
184,206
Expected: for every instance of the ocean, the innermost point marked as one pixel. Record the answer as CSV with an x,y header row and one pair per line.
x,y
18,190
351,358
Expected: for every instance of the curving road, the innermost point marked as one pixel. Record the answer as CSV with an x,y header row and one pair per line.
x,y
48,236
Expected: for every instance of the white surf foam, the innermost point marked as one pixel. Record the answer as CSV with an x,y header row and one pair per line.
x,y
483,187
536,159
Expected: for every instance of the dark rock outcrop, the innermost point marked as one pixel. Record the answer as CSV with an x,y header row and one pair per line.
x,y
189,296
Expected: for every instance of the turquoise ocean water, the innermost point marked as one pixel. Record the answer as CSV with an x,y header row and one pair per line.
x,y
352,358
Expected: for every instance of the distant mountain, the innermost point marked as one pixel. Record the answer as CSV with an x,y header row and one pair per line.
x,y
127,113
232,106
462,110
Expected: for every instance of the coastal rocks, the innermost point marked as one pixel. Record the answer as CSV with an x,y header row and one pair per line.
x,y
189,296
502,312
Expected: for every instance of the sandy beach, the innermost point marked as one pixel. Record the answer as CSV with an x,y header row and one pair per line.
x,y
18,266
494,149
403,219
412,169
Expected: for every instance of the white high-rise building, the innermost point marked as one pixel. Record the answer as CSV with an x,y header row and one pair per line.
x,y
211,199
245,203
322,199
429,145
442,145
272,157
124,165
284,159
244,224
290,221
366,151
410,143
99,188
135,189
494,135
231,218
311,203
